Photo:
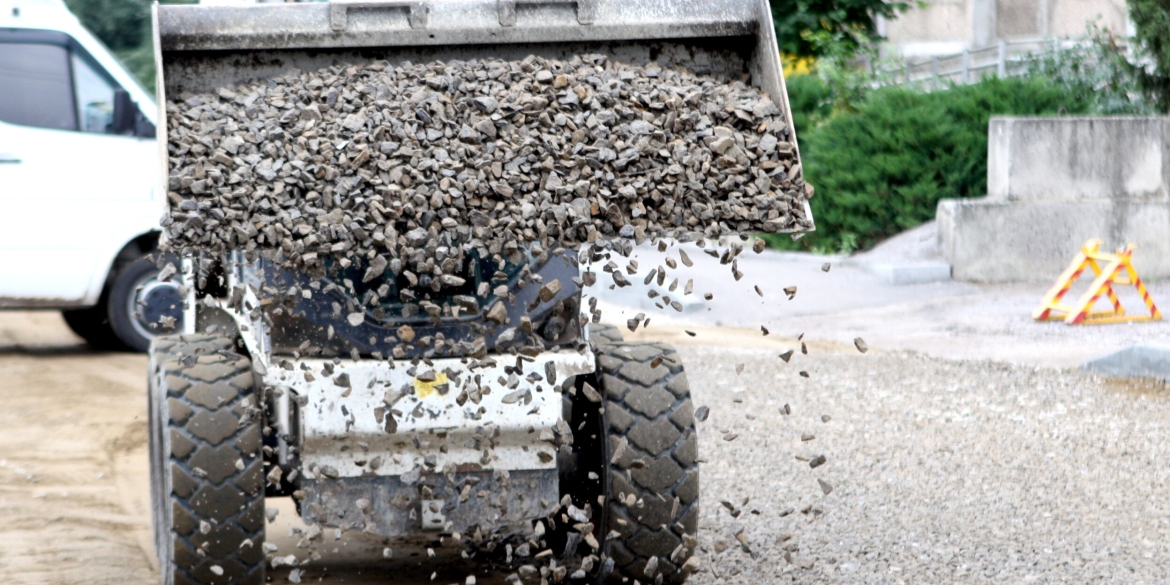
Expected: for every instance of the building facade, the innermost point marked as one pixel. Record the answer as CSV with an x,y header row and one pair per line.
x,y
942,27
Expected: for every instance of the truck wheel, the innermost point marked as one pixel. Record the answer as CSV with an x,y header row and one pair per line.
x,y
651,463
206,468
141,307
604,334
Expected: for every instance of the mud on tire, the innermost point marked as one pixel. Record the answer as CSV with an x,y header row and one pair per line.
x,y
207,483
652,471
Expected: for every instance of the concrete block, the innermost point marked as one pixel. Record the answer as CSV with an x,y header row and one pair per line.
x,y
1054,183
1138,361
1072,158
912,273
1000,241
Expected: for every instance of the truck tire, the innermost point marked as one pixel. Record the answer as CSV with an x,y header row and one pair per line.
x,y
604,334
192,343
651,463
206,467
138,305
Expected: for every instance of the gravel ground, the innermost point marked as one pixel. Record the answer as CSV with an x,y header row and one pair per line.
x,y
942,471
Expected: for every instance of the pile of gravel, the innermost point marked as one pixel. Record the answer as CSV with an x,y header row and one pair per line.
x,y
370,163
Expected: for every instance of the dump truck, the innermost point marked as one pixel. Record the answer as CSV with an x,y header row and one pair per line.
x,y
577,453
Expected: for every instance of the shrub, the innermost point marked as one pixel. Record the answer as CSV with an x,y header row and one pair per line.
x,y
1099,70
883,167
1151,20
809,98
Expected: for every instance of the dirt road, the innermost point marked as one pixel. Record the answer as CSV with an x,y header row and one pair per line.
x,y
73,503
74,492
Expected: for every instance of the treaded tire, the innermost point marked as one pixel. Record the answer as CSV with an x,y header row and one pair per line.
x,y
192,343
604,334
207,484
650,409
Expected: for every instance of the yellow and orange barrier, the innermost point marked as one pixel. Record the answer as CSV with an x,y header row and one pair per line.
x,y
1117,270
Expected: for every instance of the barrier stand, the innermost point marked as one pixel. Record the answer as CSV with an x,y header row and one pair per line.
x,y
1118,270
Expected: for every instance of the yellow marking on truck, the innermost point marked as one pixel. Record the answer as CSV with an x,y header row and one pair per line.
x,y
424,389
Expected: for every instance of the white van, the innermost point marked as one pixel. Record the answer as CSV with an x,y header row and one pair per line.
x,y
80,199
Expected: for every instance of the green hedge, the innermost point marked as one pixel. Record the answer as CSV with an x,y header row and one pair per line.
x,y
882,167
809,99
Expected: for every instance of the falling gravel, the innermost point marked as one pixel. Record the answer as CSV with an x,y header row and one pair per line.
x,y
370,162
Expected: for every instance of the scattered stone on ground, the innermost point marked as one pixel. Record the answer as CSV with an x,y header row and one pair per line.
x,y
940,472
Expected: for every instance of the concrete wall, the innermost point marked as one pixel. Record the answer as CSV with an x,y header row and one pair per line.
x,y
940,27
1067,158
940,20
1054,183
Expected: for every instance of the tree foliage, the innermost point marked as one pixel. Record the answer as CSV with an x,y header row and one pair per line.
x,y
124,27
1098,71
806,28
1151,19
120,24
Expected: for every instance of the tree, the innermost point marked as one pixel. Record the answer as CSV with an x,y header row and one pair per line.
x,y
124,27
1151,19
120,24
806,27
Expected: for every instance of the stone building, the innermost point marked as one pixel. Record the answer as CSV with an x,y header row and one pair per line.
x,y
943,27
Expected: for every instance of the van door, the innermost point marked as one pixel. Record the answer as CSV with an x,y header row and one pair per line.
x,y
66,182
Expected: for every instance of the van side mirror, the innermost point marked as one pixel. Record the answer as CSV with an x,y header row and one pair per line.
x,y
125,113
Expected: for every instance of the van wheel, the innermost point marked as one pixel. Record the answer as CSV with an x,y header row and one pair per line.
x,y
92,325
206,467
141,307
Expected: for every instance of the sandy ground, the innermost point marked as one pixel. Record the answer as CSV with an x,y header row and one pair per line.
x,y
73,495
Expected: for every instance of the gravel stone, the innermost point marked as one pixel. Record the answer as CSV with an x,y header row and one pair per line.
x,y
372,162
701,413
943,472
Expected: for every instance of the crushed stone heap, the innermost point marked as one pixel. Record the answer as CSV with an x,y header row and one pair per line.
x,y
371,162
